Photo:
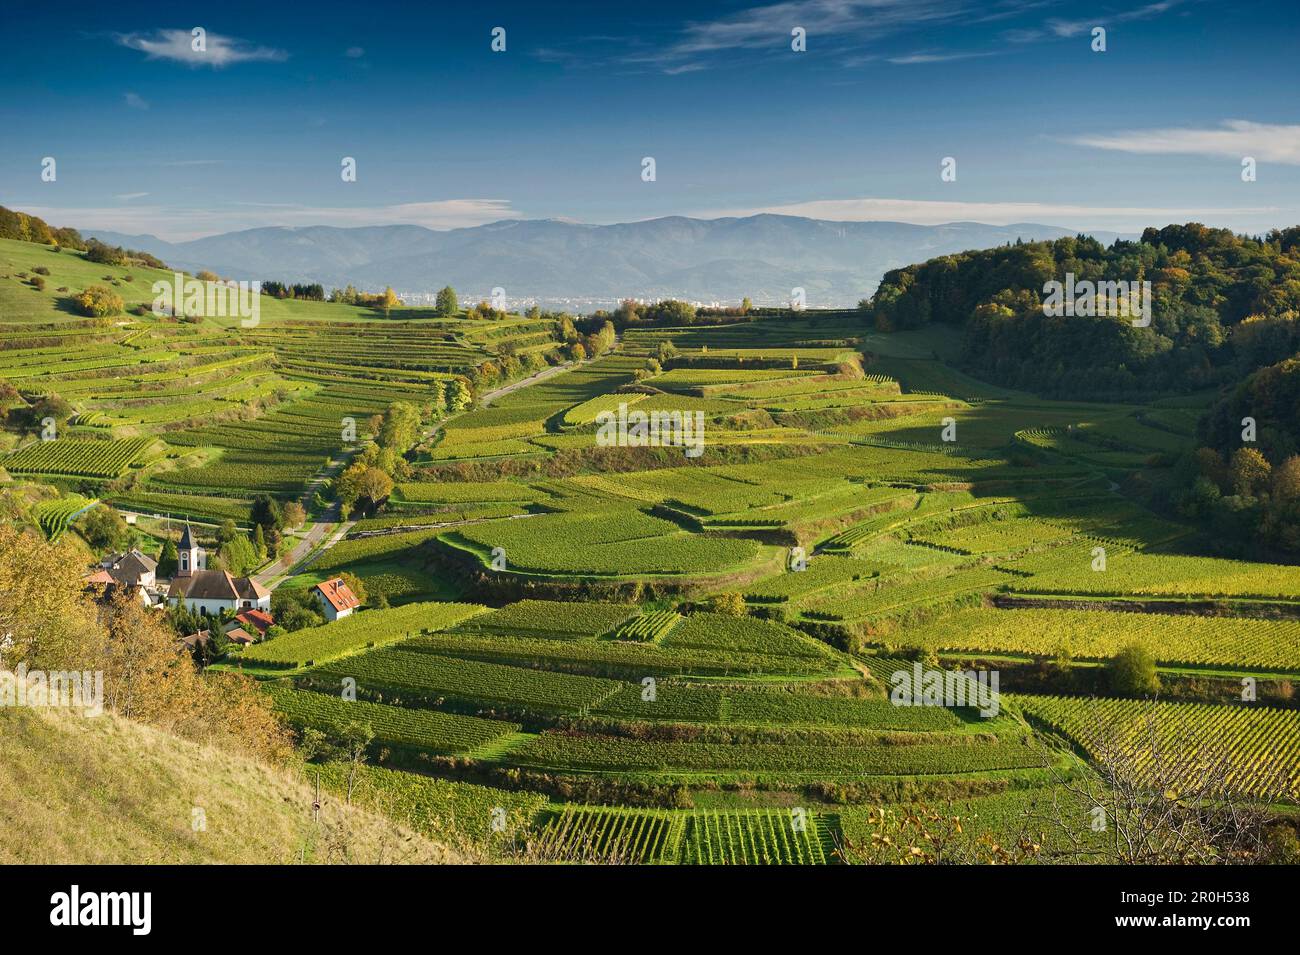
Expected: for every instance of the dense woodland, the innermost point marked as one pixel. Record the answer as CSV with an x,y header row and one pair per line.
x,y
1225,316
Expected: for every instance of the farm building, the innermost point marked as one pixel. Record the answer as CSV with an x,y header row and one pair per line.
x,y
211,591
336,599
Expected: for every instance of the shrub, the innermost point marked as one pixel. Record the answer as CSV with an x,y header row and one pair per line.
x,y
99,302
1132,672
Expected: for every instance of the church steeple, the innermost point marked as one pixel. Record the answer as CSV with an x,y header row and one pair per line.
x,y
189,556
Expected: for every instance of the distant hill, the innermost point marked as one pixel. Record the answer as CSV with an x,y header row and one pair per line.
x,y
96,790
558,262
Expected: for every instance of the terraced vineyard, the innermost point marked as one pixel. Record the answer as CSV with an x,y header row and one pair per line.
x,y
598,652
73,458
759,837
1260,746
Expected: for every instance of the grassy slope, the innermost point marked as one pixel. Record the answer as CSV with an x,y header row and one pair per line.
x,y
106,790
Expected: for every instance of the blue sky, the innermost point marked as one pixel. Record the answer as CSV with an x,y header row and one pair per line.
x,y
150,136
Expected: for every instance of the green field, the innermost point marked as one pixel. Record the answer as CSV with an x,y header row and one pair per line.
x,y
637,655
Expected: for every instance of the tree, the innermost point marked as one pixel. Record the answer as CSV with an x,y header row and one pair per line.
x,y
732,604
294,608
1132,672
102,527
238,555
389,301
459,395
576,352
293,515
168,559
1249,471
99,301
374,485
446,303
1286,480
267,514
355,585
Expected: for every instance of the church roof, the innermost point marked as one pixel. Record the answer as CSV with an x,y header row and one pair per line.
x,y
216,585
187,542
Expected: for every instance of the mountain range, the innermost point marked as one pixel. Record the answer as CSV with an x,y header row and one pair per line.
x,y
558,262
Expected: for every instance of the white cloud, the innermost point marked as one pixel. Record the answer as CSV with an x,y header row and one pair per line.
x,y
179,224
935,57
178,46
1266,142
354,53
128,196
932,212
837,23
1072,28
135,101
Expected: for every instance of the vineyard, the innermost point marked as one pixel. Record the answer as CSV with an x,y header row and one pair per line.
x,y
623,654
1257,747
69,457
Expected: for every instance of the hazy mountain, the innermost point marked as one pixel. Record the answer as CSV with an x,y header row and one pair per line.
x,y
550,260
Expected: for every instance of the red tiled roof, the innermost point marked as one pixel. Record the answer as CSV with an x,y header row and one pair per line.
x,y
256,618
339,595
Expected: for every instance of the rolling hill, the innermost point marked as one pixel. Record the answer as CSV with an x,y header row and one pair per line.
x,y
556,261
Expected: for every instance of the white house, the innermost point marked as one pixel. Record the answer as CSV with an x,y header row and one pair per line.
x,y
211,591
336,598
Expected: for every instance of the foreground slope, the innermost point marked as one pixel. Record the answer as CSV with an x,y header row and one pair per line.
x,y
106,790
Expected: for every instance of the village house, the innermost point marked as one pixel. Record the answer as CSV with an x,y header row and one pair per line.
x,y
132,569
336,599
256,622
210,592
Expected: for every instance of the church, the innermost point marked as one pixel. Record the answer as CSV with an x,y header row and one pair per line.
x,y
211,591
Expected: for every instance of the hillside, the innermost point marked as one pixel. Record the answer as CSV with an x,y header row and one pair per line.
x,y
761,256
106,790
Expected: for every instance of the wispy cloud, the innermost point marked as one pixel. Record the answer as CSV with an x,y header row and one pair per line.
x,y
128,196
135,101
180,223
1266,142
833,24
912,58
1072,28
354,52
178,46
932,212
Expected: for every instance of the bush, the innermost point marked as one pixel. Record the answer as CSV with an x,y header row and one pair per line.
x,y
99,302
1132,672
38,283
41,270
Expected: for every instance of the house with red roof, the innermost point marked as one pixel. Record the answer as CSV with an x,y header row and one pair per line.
x,y
336,598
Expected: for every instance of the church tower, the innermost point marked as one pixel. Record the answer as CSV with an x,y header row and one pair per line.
x,y
190,556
